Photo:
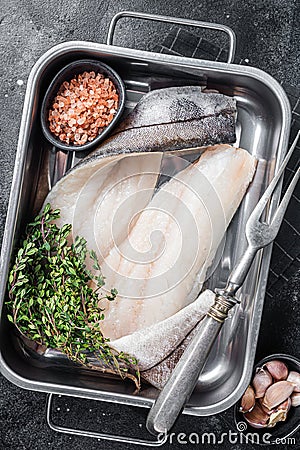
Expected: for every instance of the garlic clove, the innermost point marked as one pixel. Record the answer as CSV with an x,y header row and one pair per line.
x,y
286,405
280,414
277,369
264,408
275,417
261,381
295,399
277,394
294,378
248,400
257,418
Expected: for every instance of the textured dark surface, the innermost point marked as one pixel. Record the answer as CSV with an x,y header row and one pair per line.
x,y
268,35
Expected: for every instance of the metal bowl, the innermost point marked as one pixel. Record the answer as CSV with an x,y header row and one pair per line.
x,y
282,432
66,74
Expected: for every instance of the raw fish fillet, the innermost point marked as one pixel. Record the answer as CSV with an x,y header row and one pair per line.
x,y
166,249
159,374
159,268
164,119
174,118
100,199
154,344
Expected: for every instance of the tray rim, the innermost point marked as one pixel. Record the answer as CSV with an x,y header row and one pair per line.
x,y
9,231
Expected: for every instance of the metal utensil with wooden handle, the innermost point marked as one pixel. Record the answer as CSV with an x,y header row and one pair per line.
x,y
181,384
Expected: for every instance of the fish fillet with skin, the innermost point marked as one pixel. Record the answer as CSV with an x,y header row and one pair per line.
x,y
174,118
154,344
158,269
159,374
164,119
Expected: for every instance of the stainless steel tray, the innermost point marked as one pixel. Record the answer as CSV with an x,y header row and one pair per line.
x,y
263,128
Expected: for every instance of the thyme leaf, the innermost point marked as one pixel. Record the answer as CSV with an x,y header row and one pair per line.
x,y
50,298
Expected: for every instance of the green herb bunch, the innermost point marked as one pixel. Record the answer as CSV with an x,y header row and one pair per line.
x,y
51,300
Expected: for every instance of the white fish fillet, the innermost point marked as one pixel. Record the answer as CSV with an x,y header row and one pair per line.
x,y
174,240
153,344
101,197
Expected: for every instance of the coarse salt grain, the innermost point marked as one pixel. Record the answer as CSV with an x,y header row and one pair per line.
x,y
82,108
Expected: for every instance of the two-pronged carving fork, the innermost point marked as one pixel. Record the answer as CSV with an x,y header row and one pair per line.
x,y
181,384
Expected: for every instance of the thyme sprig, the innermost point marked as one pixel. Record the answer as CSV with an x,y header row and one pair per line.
x,y
51,300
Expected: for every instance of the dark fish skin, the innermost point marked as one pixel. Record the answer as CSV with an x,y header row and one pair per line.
x,y
172,136
171,119
159,374
176,104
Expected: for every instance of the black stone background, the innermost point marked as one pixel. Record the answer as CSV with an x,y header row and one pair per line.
x,y
268,35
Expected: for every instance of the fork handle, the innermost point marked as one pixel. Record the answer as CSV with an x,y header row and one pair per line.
x,y
180,385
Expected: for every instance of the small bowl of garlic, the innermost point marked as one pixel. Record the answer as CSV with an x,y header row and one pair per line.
x,y
270,407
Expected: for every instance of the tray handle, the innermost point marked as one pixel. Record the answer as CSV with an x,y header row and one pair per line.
x,y
177,21
161,439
